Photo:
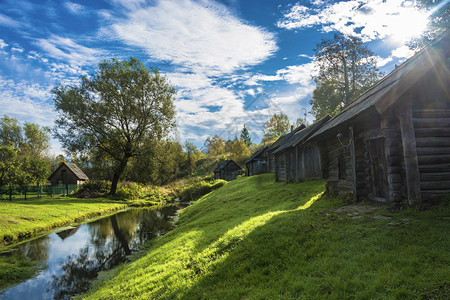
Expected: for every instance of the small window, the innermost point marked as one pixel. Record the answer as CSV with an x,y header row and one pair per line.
x,y
63,173
342,167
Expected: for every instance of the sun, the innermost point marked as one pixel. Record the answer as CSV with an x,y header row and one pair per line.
x,y
407,23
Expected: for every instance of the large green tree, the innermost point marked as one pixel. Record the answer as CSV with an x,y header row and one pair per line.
x,y
276,127
346,68
116,110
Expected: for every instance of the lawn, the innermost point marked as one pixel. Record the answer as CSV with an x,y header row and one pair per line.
x,y
257,239
24,219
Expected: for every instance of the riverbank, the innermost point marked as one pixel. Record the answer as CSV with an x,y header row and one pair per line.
x,y
255,238
21,220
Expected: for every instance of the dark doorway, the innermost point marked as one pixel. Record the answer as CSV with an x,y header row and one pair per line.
x,y
378,167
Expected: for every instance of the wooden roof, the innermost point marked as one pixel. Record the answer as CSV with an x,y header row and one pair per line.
x,y
224,163
301,136
284,137
385,92
256,154
72,167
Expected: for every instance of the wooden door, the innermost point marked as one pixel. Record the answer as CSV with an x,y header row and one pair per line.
x,y
378,168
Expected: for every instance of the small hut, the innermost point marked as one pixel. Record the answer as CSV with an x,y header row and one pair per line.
x,y
295,160
228,170
392,144
257,163
272,148
67,173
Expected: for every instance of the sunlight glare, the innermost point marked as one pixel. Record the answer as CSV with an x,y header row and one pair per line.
x,y
410,23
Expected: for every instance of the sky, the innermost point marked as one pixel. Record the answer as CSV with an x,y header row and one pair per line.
x,y
232,62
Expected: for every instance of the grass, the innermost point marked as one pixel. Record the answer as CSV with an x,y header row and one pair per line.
x,y
24,219
15,269
257,239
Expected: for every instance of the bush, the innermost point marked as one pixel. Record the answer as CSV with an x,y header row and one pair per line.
x,y
198,189
93,189
129,191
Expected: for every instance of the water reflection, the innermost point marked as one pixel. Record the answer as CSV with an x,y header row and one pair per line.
x,y
75,256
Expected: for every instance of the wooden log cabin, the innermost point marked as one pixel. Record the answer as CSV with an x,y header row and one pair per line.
x,y
296,160
228,170
272,148
67,173
257,163
392,144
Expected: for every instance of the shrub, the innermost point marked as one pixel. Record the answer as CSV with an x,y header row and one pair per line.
x,y
129,191
93,189
198,189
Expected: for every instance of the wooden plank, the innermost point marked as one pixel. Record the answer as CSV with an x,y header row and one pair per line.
x,y
431,122
410,155
435,176
434,132
434,168
435,185
431,113
433,142
434,159
432,150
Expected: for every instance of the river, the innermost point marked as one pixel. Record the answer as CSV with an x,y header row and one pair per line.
x,y
72,258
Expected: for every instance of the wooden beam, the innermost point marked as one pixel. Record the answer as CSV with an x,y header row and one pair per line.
x,y
353,162
410,154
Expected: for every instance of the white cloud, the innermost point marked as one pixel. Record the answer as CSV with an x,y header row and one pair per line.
x,y
297,74
8,21
68,50
20,50
200,36
75,8
402,52
374,19
3,44
26,101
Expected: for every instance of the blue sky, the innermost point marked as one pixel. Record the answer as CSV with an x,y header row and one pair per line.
x,y
231,61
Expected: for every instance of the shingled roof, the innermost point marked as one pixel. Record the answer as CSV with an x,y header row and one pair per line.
x,y
302,135
224,163
74,168
256,154
284,137
386,91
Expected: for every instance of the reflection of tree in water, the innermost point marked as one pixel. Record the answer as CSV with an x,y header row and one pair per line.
x,y
106,251
36,250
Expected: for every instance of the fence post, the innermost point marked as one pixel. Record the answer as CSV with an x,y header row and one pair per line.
x,y
67,189
10,193
25,191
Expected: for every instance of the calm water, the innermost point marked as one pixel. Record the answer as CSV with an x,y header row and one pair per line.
x,y
72,258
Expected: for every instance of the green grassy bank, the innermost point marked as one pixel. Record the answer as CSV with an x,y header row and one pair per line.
x,y
257,239
24,219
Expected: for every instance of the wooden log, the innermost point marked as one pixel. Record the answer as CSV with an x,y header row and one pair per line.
x,y
432,150
434,168
394,178
435,132
435,176
435,185
434,141
410,154
391,133
434,159
431,113
431,122
345,185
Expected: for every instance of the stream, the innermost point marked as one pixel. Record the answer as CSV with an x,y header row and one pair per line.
x,y
72,258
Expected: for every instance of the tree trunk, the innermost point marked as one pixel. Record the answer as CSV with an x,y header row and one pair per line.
x,y
117,173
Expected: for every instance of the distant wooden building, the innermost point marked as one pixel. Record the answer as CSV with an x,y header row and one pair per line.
x,y
296,160
228,170
392,144
272,148
67,173
257,163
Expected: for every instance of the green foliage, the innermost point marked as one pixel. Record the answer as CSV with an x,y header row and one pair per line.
x,y
93,189
23,153
276,126
346,69
198,189
215,145
245,136
14,269
239,151
119,108
259,239
129,191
